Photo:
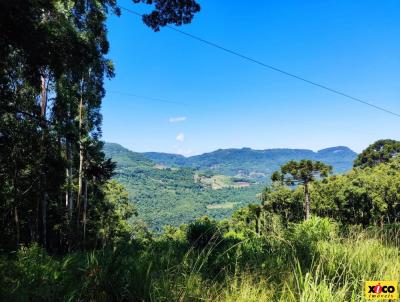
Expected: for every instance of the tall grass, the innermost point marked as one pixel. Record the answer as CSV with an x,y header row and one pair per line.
x,y
309,262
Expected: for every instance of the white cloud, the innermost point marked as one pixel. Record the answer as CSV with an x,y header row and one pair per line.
x,y
177,119
180,137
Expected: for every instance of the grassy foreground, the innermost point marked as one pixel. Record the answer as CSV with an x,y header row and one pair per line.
x,y
309,261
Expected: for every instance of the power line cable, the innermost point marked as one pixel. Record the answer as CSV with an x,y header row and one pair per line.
x,y
356,99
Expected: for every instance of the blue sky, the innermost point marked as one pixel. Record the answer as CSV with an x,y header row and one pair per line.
x,y
221,101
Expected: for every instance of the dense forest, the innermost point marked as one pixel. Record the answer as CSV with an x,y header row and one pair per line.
x,y
166,192
53,172
70,232
172,196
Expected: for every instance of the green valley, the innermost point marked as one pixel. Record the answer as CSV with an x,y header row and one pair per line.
x,y
170,189
172,196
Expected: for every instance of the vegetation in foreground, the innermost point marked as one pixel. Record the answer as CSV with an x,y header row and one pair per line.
x,y
209,261
264,252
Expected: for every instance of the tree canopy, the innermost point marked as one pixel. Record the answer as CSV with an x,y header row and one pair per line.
x,y
368,196
379,152
302,172
53,173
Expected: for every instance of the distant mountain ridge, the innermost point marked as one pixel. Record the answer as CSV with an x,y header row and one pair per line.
x,y
172,189
248,162
177,195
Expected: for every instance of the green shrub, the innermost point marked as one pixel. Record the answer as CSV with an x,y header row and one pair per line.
x,y
307,262
39,276
203,232
304,237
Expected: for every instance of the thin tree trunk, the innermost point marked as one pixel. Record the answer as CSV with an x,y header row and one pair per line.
x,y
37,219
17,228
66,174
44,219
85,205
15,195
69,198
43,106
43,98
307,204
67,189
80,173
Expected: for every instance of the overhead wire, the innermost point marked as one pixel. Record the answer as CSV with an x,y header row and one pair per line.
x,y
271,67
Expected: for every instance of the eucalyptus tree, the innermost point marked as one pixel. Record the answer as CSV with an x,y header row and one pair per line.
x,y
52,69
302,173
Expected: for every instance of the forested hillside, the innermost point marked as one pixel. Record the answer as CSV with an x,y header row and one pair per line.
x,y
256,164
172,196
170,189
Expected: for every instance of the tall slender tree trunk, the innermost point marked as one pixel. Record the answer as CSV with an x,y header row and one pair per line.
x,y
15,195
67,189
17,228
85,205
37,219
43,97
44,219
43,106
80,173
307,202
69,198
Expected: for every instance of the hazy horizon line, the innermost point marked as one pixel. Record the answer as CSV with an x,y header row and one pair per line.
x,y
233,148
